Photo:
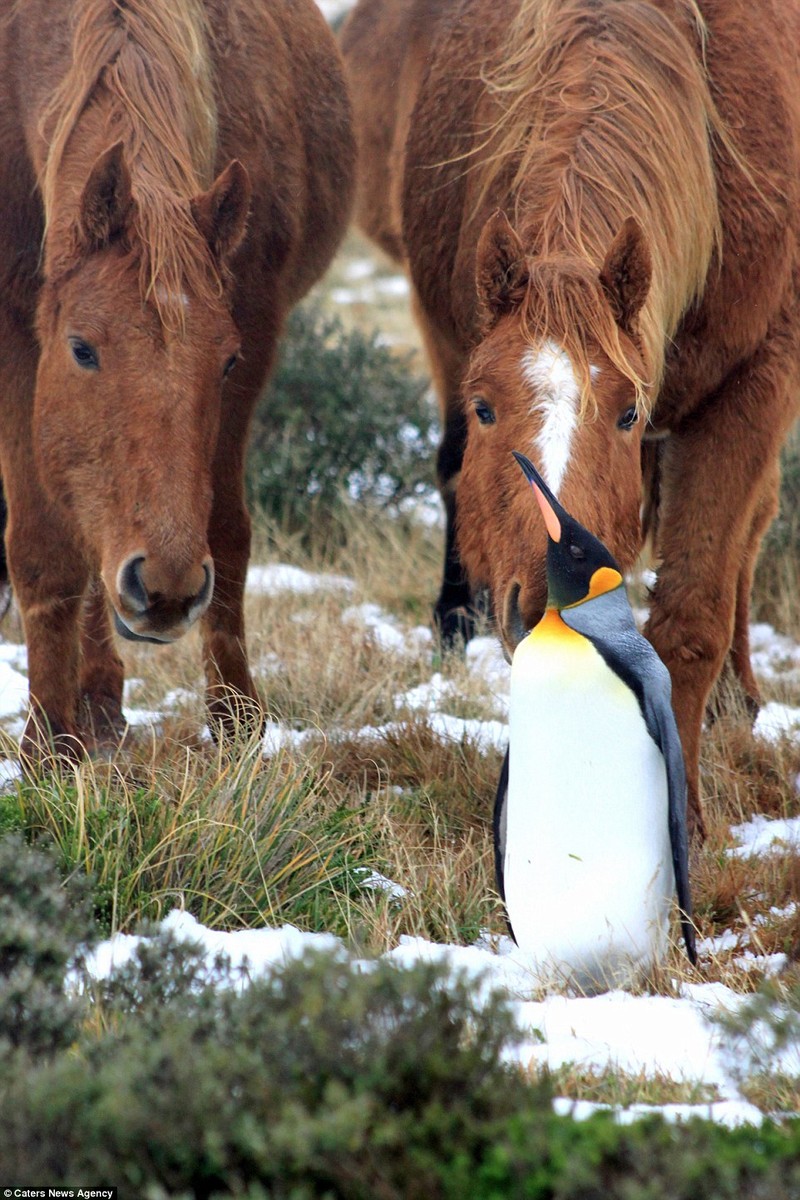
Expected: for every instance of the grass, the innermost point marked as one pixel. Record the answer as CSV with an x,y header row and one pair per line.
x,y
624,1090
236,839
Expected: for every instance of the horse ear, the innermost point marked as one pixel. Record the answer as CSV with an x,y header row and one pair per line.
x,y
626,273
221,212
501,269
106,203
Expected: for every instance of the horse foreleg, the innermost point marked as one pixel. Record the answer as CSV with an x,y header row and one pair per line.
x,y
45,562
230,692
101,671
740,663
453,612
717,471
49,577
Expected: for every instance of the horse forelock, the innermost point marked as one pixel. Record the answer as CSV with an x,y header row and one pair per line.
x,y
146,65
564,307
606,113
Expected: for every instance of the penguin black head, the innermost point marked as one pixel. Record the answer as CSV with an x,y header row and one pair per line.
x,y
579,567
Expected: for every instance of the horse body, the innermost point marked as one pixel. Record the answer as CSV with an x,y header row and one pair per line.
x,y
645,156
176,176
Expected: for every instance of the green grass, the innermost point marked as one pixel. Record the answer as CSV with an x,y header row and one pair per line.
x,y
237,840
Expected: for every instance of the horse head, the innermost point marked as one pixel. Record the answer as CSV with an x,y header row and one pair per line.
x,y
558,372
129,388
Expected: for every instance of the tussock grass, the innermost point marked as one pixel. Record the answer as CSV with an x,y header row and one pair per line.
x,y
622,1090
237,840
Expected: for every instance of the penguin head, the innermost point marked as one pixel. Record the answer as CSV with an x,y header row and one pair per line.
x,y
579,567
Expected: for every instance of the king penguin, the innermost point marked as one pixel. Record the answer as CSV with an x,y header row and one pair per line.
x,y
590,819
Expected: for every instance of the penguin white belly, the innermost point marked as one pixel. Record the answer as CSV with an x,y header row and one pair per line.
x,y
588,872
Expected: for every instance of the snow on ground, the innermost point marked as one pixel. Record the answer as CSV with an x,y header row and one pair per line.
x,y
387,631
671,1036
281,577
649,1034
760,834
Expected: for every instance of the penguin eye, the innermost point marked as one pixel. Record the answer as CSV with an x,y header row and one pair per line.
x,y
628,418
577,552
484,413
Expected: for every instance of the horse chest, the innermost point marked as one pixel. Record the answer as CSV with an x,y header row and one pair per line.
x,y
587,869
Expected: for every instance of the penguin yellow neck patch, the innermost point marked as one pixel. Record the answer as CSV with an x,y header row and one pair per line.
x,y
551,627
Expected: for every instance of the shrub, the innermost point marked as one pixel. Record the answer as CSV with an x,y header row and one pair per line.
x,y
326,1081
42,924
320,1081
342,417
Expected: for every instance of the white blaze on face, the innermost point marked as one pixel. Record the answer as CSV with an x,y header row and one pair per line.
x,y
550,374
166,297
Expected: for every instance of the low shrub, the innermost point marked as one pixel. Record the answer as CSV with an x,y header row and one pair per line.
x,y
42,923
325,1081
342,417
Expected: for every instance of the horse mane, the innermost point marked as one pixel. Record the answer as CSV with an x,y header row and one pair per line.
x,y
149,60
605,112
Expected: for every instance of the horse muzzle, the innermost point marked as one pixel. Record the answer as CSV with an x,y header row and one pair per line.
x,y
151,607
517,618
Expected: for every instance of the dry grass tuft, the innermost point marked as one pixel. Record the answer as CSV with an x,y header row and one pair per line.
x,y
622,1090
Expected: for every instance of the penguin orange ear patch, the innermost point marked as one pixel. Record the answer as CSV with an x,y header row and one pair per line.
x,y
550,519
605,579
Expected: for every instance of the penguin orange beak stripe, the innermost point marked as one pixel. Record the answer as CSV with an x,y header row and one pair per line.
x,y
550,519
548,512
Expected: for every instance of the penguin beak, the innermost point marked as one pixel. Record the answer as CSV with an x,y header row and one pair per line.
x,y
543,494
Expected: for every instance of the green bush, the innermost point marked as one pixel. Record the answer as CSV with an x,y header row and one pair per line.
x,y
326,1081
42,924
342,417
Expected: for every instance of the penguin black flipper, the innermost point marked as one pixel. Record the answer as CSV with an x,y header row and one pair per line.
x,y
499,831
634,660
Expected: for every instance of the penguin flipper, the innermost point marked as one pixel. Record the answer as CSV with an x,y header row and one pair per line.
x,y
664,731
499,831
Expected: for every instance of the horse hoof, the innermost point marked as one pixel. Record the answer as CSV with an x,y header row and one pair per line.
x,y
454,628
102,721
235,718
45,747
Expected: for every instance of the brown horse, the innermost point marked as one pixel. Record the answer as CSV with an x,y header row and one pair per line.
x,y
174,175
597,201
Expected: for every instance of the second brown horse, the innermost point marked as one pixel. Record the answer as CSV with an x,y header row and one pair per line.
x,y
597,202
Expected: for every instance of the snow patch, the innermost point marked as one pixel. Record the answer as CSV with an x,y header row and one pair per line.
x,y
281,577
759,835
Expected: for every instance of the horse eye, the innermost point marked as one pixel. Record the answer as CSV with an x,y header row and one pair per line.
x,y
229,365
84,354
628,418
577,552
483,412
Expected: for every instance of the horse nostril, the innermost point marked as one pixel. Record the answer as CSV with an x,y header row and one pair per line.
x,y
514,626
131,586
203,597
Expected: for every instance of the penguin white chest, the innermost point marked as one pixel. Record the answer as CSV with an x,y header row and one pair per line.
x,y
588,872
